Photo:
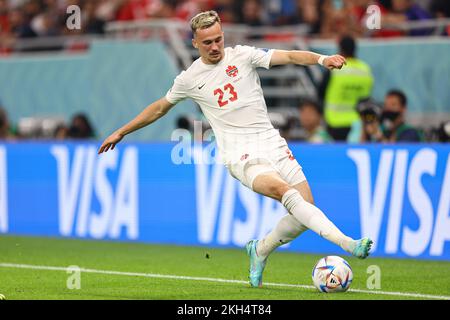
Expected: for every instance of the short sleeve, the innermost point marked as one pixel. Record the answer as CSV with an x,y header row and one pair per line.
x,y
178,91
257,57
260,57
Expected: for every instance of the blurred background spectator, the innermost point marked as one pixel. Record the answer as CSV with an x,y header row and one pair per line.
x,y
441,10
407,10
6,132
80,127
251,13
393,125
311,121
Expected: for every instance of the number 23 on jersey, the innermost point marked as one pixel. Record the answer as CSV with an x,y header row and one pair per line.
x,y
231,94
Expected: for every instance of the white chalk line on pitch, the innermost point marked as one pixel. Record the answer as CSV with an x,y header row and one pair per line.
x,y
175,277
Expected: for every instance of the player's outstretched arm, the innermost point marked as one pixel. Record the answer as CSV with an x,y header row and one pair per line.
x,y
280,57
150,114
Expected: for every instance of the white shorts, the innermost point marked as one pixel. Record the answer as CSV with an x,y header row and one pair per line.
x,y
272,156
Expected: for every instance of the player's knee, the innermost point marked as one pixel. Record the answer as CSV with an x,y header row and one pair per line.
x,y
279,190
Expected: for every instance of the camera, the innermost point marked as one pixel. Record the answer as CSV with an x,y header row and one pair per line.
x,y
441,133
444,132
369,110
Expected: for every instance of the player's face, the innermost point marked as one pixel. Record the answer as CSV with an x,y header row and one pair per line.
x,y
209,43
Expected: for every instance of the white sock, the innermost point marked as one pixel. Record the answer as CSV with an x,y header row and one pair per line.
x,y
313,218
287,229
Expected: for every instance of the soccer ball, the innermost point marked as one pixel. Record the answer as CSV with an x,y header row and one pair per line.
x,y
332,274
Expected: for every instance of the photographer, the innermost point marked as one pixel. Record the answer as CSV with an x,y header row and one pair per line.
x,y
387,124
370,114
393,124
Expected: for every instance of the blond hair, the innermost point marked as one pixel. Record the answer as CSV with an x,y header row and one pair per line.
x,y
204,20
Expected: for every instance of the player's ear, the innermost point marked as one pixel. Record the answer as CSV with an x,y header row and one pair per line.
x,y
194,44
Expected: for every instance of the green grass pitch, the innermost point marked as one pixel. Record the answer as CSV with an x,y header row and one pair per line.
x,y
143,271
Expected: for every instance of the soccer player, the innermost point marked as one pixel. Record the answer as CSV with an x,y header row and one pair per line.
x,y
224,82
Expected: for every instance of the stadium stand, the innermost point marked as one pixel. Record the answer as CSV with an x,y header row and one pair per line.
x,y
31,28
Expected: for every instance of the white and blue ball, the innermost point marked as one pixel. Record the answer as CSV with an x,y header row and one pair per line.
x,y
332,274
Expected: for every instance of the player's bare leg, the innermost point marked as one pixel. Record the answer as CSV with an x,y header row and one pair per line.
x,y
303,215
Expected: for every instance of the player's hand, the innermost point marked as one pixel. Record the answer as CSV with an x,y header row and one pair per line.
x,y
110,142
334,62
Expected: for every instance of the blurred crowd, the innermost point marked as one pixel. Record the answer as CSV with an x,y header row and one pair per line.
x,y
325,18
47,128
357,118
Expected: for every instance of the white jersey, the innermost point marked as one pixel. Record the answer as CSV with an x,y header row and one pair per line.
x,y
230,96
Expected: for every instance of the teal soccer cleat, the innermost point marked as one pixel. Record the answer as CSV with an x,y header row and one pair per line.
x,y
257,264
362,248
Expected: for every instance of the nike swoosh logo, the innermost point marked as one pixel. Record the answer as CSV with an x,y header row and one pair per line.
x,y
201,86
